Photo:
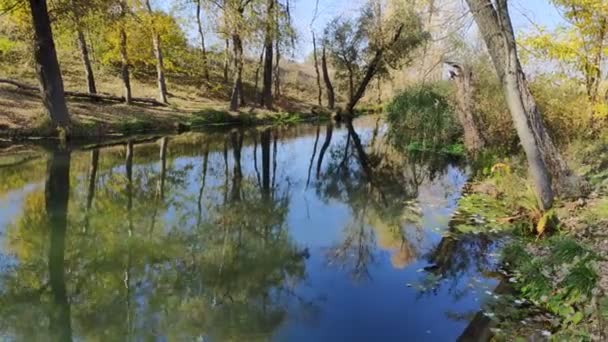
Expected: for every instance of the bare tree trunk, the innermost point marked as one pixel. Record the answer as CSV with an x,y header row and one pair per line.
x,y
331,97
463,79
257,78
236,98
84,50
495,26
86,62
268,46
317,73
203,47
491,22
124,58
226,59
160,65
277,71
47,66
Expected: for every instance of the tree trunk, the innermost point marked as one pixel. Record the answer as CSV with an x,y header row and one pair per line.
x,y
331,98
47,66
499,47
268,58
124,58
84,50
317,73
226,59
370,72
160,65
86,62
236,98
259,97
463,79
203,47
277,71
495,26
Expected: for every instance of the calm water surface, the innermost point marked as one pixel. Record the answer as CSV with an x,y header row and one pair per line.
x,y
308,233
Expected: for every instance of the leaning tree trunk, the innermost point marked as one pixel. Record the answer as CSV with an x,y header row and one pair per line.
x,y
203,47
268,58
490,21
495,26
86,61
84,49
331,97
237,90
317,73
463,79
124,57
47,65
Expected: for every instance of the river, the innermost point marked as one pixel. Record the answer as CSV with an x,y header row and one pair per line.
x,y
300,233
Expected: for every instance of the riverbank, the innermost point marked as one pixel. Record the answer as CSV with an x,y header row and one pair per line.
x,y
556,262
22,116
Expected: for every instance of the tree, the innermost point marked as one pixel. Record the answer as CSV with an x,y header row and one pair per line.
x,y
124,57
266,99
47,66
462,75
581,44
158,53
495,26
202,36
331,97
77,12
376,39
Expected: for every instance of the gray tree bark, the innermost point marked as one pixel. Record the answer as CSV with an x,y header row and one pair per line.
x,y
160,65
47,66
495,25
237,98
463,79
203,47
124,57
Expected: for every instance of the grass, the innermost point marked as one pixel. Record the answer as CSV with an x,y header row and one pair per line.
x,y
190,106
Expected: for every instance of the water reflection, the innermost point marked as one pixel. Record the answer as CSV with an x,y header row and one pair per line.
x,y
305,233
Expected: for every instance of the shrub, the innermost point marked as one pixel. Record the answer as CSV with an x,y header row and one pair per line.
x,y
421,115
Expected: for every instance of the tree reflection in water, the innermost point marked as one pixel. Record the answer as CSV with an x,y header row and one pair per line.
x,y
192,236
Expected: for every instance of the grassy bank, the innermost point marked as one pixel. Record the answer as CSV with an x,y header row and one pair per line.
x,y
22,115
556,262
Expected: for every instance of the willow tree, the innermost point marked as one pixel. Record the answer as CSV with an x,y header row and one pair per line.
x,y
360,48
494,23
47,65
266,98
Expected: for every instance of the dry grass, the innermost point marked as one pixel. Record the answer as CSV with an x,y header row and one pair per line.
x,y
22,111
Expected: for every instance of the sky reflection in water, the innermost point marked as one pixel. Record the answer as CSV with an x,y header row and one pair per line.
x,y
306,233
